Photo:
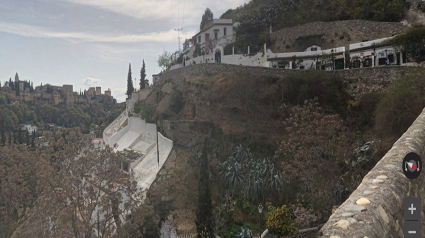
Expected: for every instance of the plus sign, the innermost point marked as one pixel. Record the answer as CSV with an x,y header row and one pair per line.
x,y
411,209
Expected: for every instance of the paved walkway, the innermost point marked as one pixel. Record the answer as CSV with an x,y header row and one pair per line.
x,y
145,172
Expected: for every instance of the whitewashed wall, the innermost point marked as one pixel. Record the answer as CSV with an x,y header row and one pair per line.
x,y
378,52
258,59
115,137
176,66
147,131
114,126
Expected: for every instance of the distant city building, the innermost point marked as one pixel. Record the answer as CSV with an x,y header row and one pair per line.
x,y
155,78
30,128
55,95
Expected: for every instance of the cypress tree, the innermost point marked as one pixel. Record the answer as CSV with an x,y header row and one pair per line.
x,y
33,139
20,139
142,76
10,138
3,134
130,88
27,137
15,138
204,215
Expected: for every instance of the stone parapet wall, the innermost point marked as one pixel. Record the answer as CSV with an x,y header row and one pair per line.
x,y
382,190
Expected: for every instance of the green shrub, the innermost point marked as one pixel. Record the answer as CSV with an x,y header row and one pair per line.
x,y
279,222
363,114
146,110
299,86
176,102
412,42
400,106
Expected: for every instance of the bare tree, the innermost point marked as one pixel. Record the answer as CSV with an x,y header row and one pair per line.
x,y
83,191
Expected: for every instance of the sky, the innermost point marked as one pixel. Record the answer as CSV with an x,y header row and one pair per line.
x,y
90,43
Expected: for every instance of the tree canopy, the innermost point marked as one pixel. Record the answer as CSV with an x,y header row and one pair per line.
x,y
143,76
164,60
208,16
81,190
130,88
413,42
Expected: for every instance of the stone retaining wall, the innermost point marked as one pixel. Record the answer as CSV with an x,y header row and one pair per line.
x,y
358,81
375,208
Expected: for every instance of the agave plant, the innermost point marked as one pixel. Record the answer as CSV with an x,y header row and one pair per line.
x,y
245,233
255,177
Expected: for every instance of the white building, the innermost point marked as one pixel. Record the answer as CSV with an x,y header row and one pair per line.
x,y
217,32
29,128
155,78
375,53
312,58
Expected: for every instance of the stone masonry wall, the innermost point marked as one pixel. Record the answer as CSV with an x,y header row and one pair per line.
x,y
358,81
332,34
375,208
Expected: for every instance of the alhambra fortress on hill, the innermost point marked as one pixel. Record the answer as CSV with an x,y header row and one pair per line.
x,y
55,94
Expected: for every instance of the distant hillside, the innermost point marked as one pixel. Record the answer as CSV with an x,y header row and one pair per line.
x,y
14,111
257,16
332,34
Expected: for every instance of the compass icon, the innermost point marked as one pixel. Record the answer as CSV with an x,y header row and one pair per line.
x,y
412,165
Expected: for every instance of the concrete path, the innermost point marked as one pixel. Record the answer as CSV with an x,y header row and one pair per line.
x,y
145,172
126,140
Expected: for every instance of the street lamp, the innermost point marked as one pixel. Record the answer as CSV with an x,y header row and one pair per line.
x,y
260,210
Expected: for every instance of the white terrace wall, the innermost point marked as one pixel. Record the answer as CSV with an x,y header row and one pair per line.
x,y
147,131
112,140
259,59
114,126
385,186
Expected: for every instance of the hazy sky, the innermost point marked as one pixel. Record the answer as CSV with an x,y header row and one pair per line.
x,y
91,42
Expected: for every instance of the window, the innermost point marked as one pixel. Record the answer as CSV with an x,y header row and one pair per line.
x,y
391,58
216,35
194,41
199,39
126,166
207,36
313,48
225,31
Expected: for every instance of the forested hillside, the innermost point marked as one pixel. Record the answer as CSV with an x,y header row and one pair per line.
x,y
14,112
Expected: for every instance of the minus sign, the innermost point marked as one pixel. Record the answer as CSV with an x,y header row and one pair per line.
x,y
412,232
